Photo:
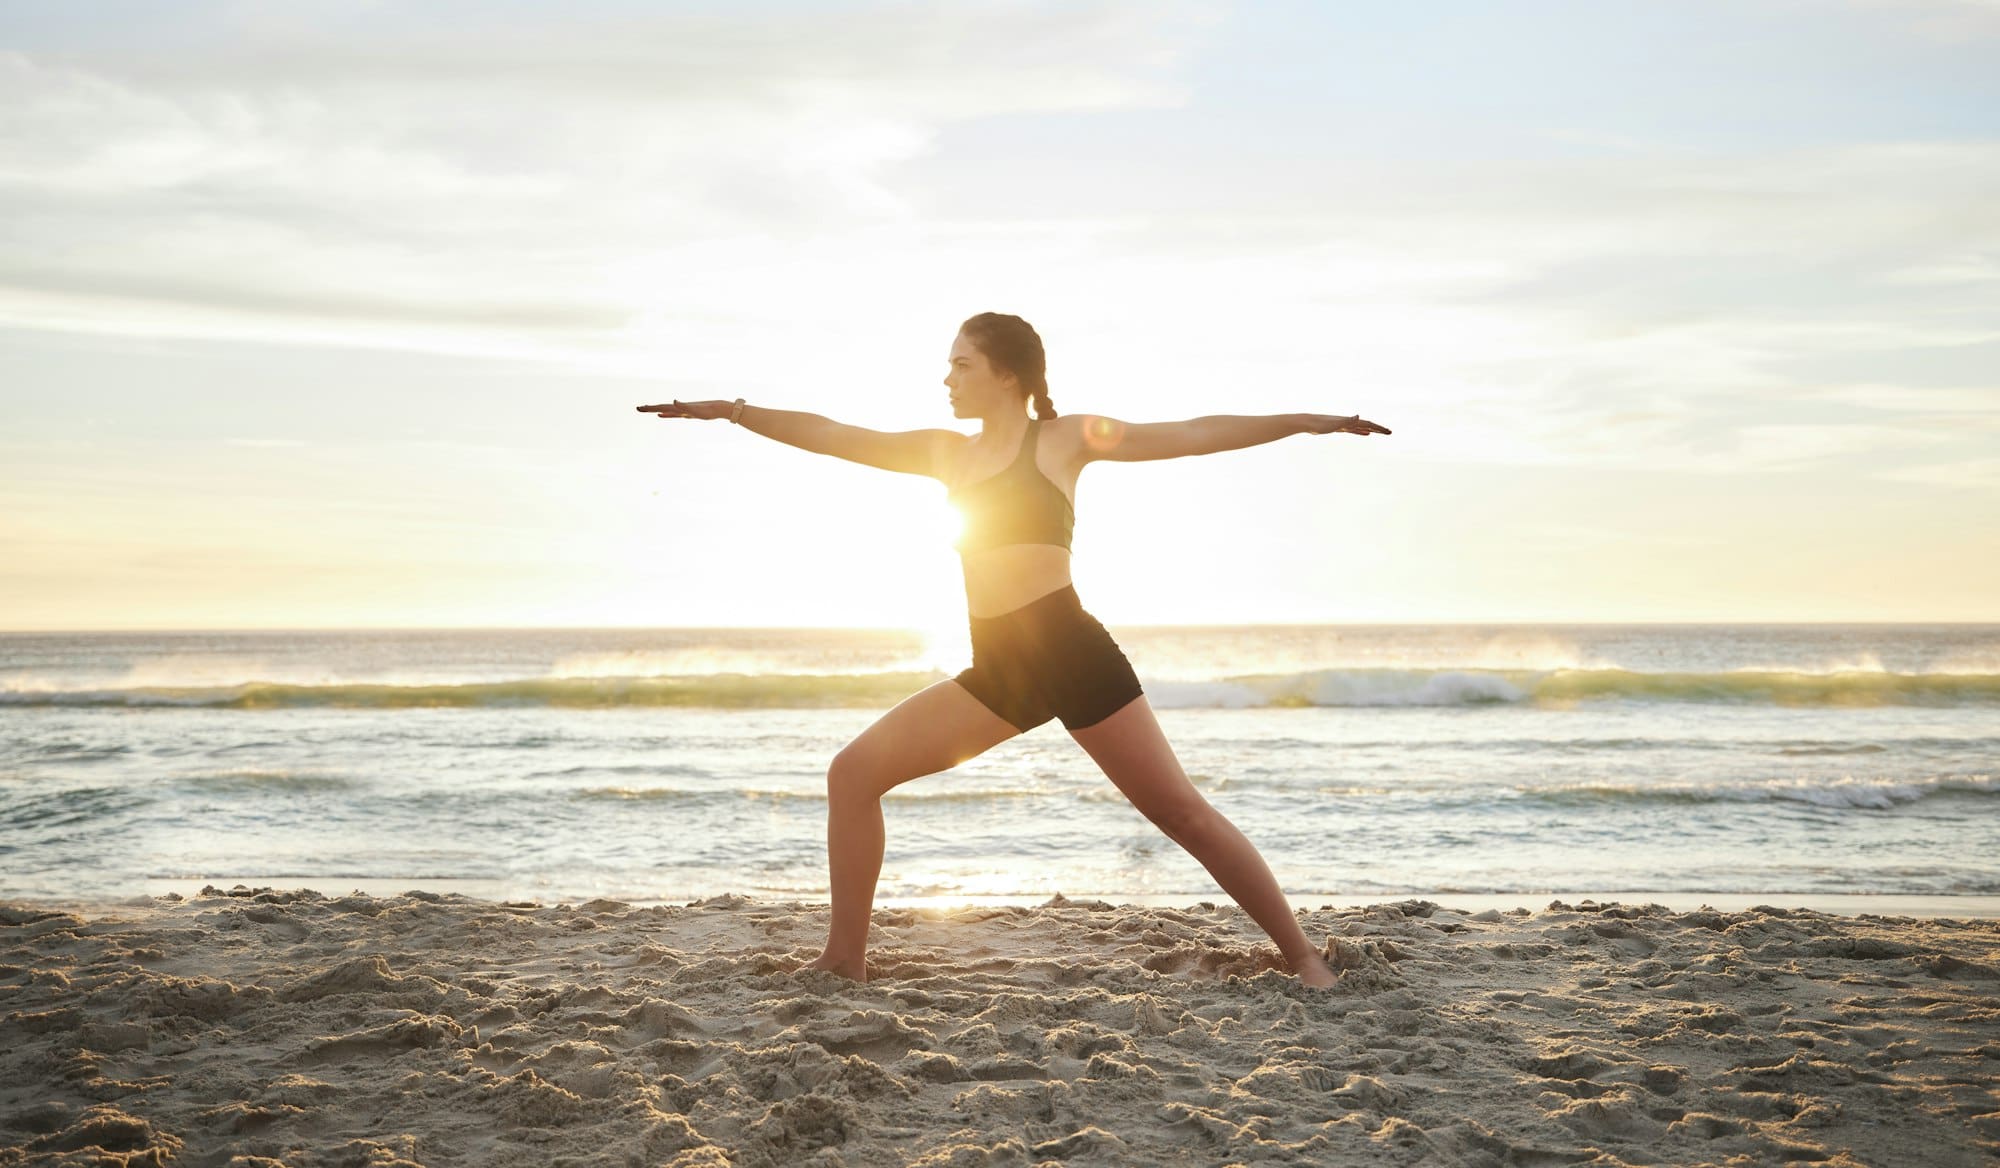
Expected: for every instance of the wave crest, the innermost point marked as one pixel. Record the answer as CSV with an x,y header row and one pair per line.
x,y
1558,688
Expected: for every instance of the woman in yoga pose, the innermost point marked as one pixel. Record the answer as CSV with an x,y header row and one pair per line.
x,y
1036,654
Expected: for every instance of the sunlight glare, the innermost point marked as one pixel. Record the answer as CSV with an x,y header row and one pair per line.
x,y
947,645
1103,433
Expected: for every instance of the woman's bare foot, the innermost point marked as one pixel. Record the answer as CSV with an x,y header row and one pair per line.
x,y
1314,971
856,970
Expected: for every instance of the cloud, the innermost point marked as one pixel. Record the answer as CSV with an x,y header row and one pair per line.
x,y
329,165
637,189
1970,474
1950,22
1967,404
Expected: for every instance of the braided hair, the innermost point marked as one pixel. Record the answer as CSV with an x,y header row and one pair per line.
x,y
1012,346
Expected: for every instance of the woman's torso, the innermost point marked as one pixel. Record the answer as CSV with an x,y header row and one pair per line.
x,y
1001,579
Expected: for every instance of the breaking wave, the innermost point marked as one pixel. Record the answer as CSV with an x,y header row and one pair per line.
x,y
1312,688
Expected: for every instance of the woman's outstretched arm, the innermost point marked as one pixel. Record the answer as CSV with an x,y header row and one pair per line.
x,y
1116,441
908,452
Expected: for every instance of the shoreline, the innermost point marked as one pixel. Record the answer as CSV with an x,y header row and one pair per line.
x,y
1971,906
295,1029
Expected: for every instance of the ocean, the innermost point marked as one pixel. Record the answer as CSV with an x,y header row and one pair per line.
x,y
1795,763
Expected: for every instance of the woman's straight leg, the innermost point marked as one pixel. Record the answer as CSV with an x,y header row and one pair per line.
x,y
932,730
1134,754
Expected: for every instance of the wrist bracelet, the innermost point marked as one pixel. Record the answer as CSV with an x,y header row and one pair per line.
x,y
736,415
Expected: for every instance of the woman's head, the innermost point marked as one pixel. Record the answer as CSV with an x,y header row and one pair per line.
x,y
997,359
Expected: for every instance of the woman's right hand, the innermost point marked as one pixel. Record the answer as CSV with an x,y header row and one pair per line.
x,y
707,411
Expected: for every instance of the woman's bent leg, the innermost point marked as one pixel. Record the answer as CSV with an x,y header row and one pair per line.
x,y
1135,755
932,730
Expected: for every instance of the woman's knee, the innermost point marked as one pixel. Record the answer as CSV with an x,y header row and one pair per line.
x,y
850,776
1188,824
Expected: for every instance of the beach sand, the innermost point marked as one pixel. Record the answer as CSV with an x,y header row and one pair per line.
x,y
264,1027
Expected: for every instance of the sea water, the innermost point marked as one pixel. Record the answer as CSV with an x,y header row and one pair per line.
x,y
1794,762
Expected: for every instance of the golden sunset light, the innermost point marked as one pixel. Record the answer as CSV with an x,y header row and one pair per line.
x,y
1622,383
927,583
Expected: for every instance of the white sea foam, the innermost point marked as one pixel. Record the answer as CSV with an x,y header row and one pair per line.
x,y
1843,792
1983,658
1202,695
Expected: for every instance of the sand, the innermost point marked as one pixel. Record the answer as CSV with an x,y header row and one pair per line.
x,y
264,1027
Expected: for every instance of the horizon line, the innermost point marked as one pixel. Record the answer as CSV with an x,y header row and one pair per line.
x,y
418,628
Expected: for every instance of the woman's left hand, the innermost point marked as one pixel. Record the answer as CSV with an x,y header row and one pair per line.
x,y
1353,424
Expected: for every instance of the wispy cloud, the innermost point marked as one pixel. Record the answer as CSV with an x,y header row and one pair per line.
x,y
1948,21
622,186
1972,474
332,167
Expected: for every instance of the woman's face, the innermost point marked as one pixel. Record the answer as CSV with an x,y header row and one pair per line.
x,y
976,390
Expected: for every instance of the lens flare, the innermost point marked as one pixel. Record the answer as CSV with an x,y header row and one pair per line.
x,y
1103,433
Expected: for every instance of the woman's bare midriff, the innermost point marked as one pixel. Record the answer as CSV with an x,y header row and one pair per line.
x,y
1002,579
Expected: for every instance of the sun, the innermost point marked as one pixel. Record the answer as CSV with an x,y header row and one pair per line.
x,y
947,646
947,642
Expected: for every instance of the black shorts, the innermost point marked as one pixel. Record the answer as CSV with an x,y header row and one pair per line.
x,y
1048,659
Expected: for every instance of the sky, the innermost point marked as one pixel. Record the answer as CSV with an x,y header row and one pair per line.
x,y
334,314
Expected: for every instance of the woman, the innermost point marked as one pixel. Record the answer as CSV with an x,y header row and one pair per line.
x,y
1036,654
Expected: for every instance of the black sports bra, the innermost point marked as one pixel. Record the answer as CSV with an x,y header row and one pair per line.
x,y
1018,505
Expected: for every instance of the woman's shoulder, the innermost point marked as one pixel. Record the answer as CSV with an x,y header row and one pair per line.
x,y
1066,428
1068,436
948,452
